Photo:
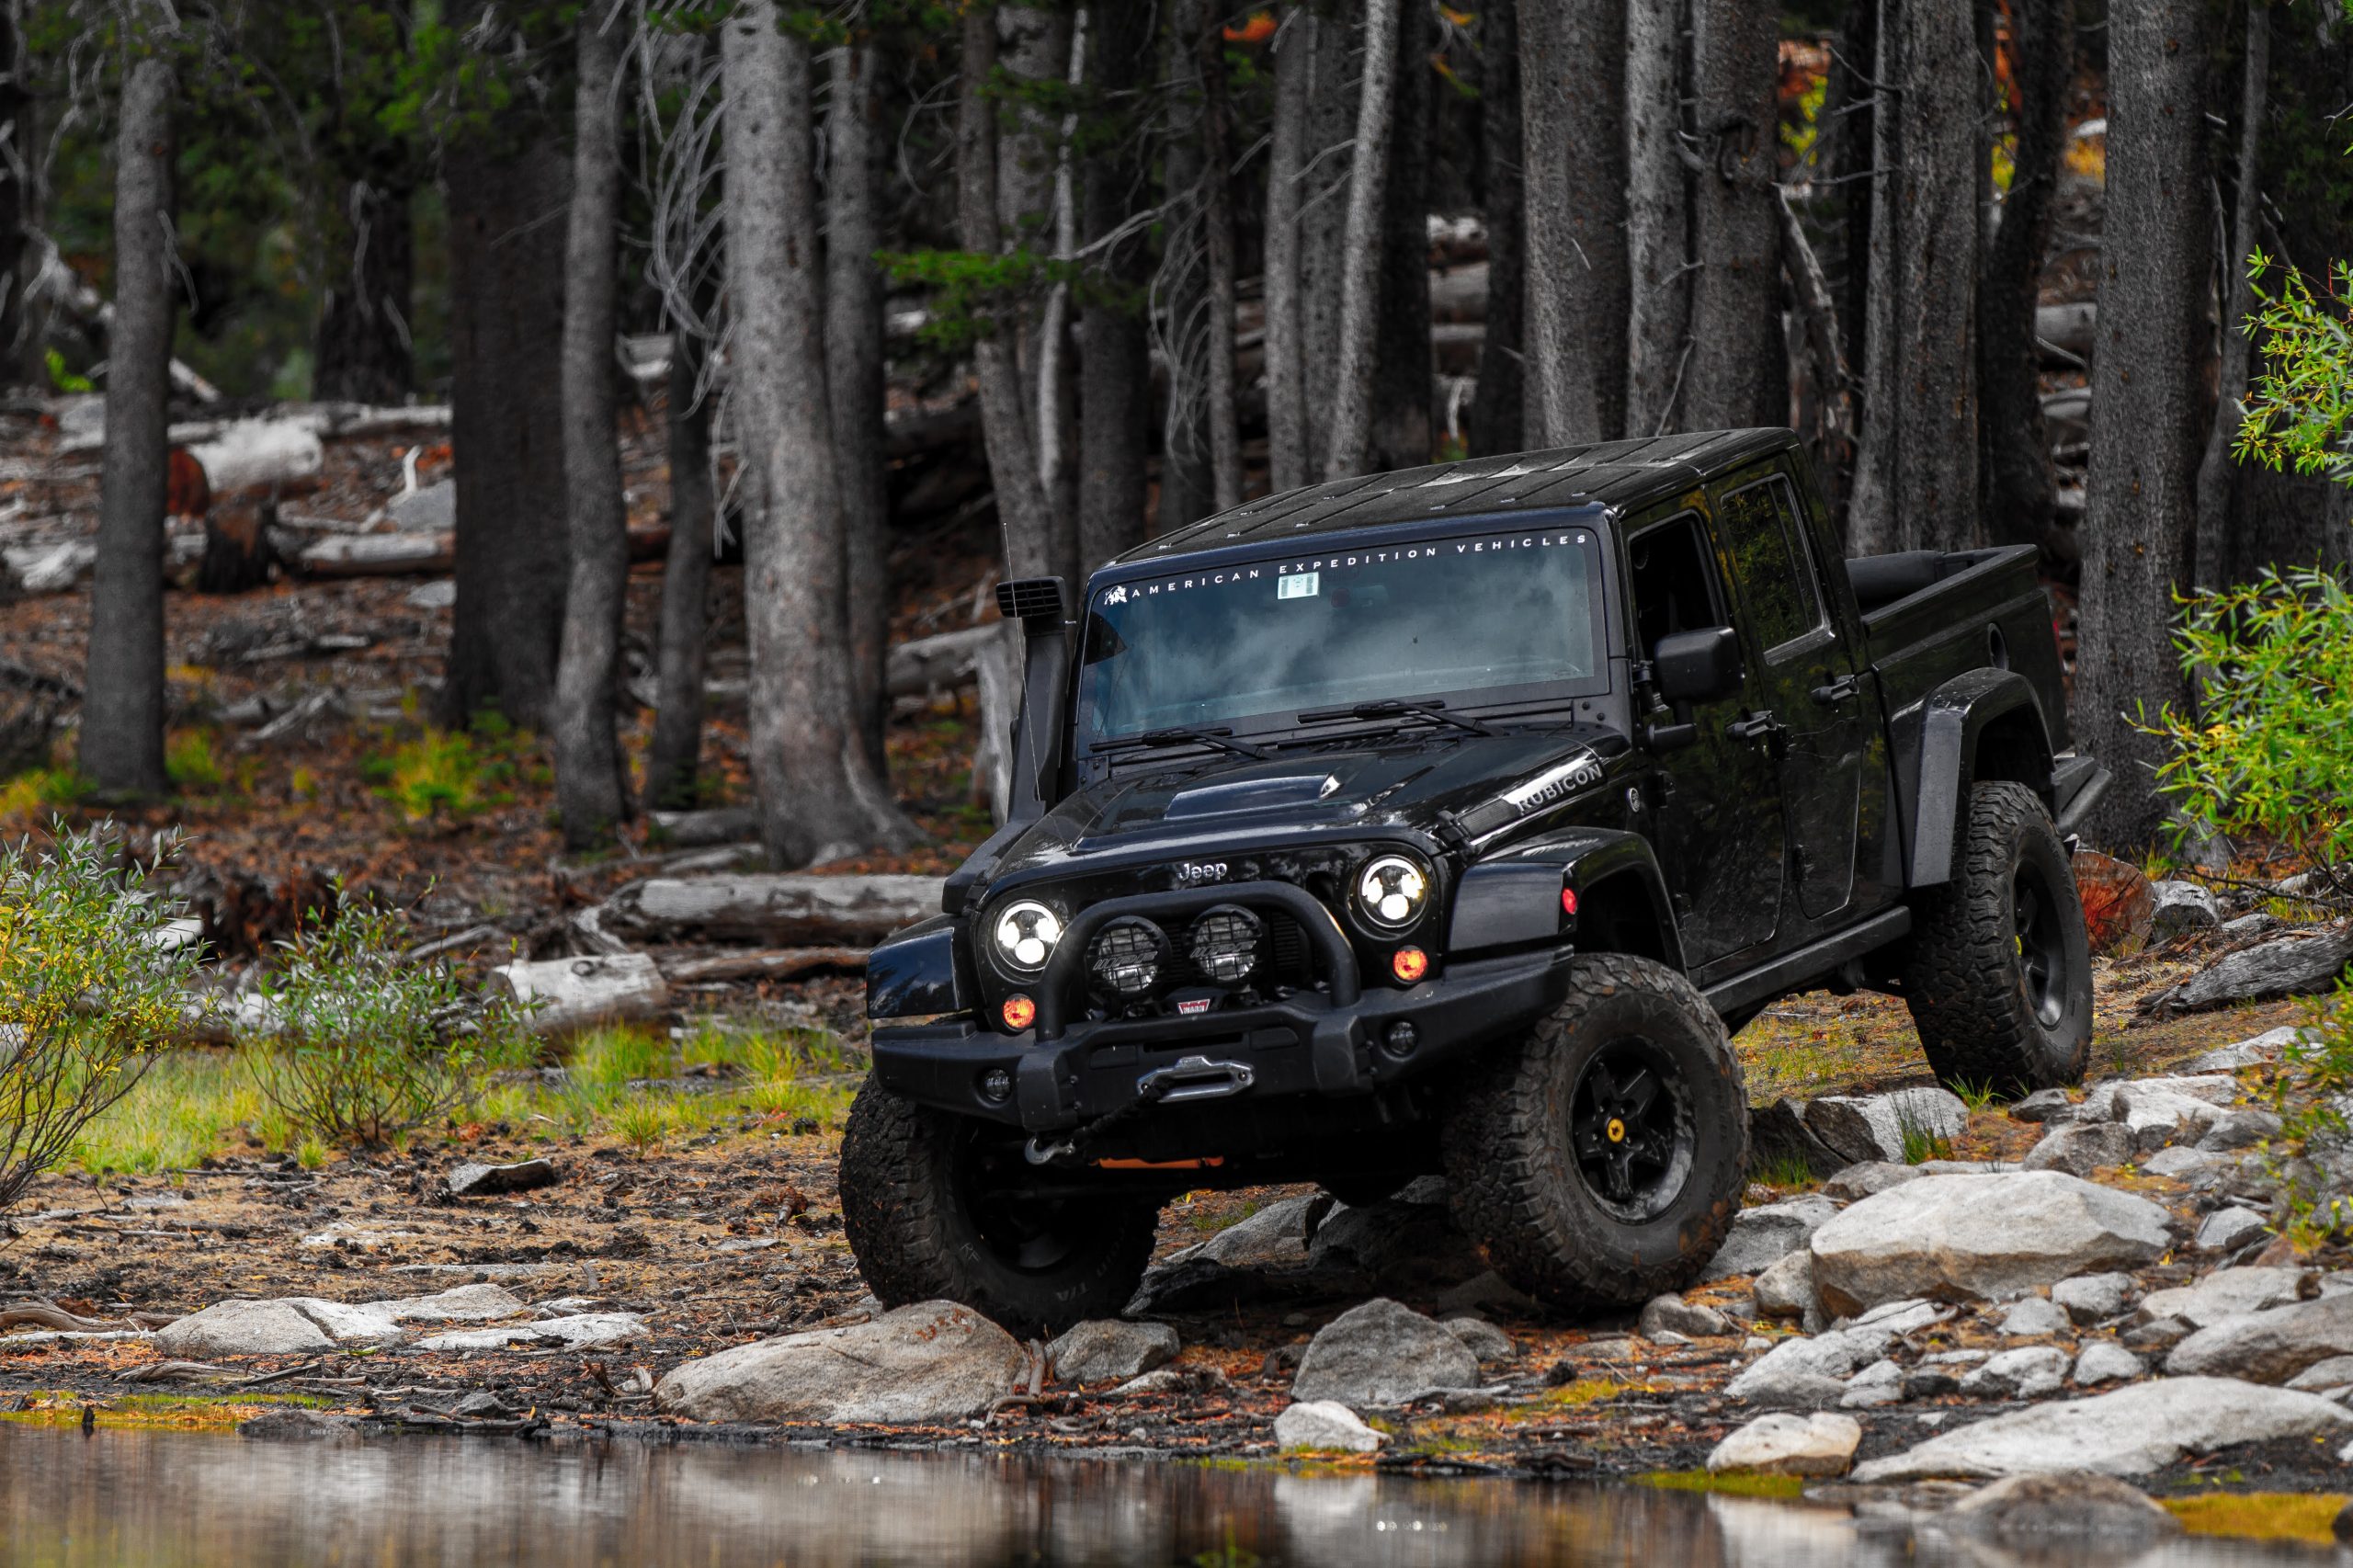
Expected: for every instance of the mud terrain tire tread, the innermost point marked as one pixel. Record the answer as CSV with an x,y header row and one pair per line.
x,y
913,1242
1503,1139
1960,976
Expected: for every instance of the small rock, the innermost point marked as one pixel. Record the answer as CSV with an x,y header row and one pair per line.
x,y
2041,1515
2294,965
439,594
2044,1104
2102,1362
482,1181
1763,1235
2079,1148
1930,1382
1872,1126
2179,1163
2226,1293
466,1303
1674,1314
2029,1372
428,509
2034,1316
2227,1230
1483,1339
241,1327
1793,1390
2158,1335
1880,1384
1818,1445
2093,1298
2240,1130
1786,1289
2267,1346
1779,1376
932,1362
2336,1373
2182,908
1325,1426
2132,1430
1869,1177
1383,1353
1104,1350
2255,1052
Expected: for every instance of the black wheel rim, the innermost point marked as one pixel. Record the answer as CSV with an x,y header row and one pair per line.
x,y
1022,1228
1630,1127
2043,948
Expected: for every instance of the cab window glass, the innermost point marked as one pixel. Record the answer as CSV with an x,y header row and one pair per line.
x,y
1673,581
1767,546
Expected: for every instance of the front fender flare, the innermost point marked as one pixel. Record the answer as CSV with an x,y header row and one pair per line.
x,y
1514,900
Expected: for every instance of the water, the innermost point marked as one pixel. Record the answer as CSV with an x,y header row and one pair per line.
x,y
163,1499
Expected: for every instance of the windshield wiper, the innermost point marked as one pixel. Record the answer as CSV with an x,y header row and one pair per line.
x,y
1177,737
1432,712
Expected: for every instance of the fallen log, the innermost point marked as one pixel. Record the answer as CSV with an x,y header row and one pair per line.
x,y
766,964
780,909
576,993
380,555
278,455
938,663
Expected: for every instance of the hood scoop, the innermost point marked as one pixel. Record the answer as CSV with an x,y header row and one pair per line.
x,y
1250,795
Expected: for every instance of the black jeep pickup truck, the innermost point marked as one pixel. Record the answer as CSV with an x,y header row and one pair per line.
x,y
1450,821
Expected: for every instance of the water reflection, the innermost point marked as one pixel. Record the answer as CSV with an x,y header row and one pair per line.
x,y
159,1500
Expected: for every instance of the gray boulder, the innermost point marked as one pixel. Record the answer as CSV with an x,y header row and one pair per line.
x,y
1275,1237
1105,1350
2336,1373
484,1181
2029,1372
2178,1163
1383,1353
466,1303
2240,1130
2044,1106
1482,1338
1786,1289
1872,1126
1673,1314
2079,1148
2226,1293
2034,1316
1324,1427
2268,1347
2294,965
240,1327
2043,1515
1951,1236
1880,1384
2229,1229
932,1362
2102,1362
1833,1355
1870,1176
577,1331
2255,1051
2183,908
1821,1444
1763,1235
2130,1431
2093,1298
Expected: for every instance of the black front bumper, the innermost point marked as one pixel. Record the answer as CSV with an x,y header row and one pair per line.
x,y
1307,1044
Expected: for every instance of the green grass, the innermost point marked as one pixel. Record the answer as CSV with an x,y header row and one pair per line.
x,y
1920,1144
1786,1169
192,763
188,1104
1734,1484
1976,1097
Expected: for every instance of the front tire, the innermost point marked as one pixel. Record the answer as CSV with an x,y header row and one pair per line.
x,y
1999,976
935,1208
1600,1158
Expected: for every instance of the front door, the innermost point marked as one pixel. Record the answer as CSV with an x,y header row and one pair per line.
x,y
1808,678
1715,816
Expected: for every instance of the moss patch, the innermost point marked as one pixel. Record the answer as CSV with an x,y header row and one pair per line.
x,y
149,1412
1736,1484
2260,1516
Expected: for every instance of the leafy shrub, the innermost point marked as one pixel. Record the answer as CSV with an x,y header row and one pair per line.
x,y
2274,747
33,798
359,1045
2313,1093
90,984
448,776
2300,410
191,763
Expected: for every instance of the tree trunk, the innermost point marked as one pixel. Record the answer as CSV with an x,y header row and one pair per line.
x,y
1497,423
854,368
1115,363
2208,556
590,791
2016,451
1033,50
674,760
506,258
123,706
1850,103
1360,274
1022,507
19,353
1574,109
1323,220
1287,158
820,798
1216,248
1403,367
2147,423
1738,374
361,349
1658,219
1915,468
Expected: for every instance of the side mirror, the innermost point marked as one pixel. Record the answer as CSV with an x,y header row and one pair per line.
x,y
1697,666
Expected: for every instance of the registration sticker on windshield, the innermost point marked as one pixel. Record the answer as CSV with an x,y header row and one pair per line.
x,y
1297,585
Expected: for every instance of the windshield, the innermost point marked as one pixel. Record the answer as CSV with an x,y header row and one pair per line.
x,y
1485,615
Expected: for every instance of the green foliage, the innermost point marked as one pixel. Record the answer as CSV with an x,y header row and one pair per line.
x,y
2274,748
359,1045
61,378
447,777
2312,1155
90,985
33,798
2299,411
191,763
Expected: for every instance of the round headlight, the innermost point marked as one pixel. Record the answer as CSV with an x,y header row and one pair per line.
x,y
1392,891
1025,935
1129,957
1226,944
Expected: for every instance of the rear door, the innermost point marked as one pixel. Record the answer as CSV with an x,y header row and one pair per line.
x,y
1806,676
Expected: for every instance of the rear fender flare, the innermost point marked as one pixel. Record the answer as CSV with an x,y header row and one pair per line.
x,y
1936,744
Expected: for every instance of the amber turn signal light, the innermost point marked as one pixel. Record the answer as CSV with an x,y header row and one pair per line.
x,y
1410,964
1020,1013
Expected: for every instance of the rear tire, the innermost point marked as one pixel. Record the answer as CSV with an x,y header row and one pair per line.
x,y
1998,973
1601,1157
934,1208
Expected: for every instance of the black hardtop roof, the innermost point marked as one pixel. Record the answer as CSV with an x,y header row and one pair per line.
x,y
1618,474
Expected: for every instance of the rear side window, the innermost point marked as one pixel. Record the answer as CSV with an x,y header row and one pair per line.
x,y
1761,531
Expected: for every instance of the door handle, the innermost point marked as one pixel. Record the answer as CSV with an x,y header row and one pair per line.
x,y
1846,688
1759,726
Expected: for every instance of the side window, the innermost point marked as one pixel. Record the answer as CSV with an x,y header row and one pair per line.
x,y
1767,545
1672,580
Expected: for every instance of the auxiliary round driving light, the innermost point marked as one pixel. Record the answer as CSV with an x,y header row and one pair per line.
x,y
1391,892
1409,964
1401,1039
1129,957
1019,1013
996,1085
1226,942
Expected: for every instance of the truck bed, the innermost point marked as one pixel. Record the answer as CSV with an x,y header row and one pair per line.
x,y
1930,615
